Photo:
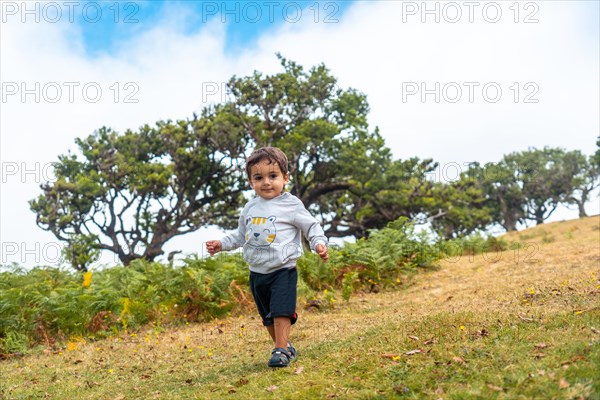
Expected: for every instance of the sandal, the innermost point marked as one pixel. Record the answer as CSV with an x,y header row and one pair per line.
x,y
280,357
292,350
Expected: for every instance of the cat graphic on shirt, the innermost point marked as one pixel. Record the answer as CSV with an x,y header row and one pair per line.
x,y
260,231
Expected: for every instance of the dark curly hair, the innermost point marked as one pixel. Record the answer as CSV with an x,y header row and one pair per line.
x,y
272,154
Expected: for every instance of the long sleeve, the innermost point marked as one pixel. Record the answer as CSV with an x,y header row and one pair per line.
x,y
311,228
237,238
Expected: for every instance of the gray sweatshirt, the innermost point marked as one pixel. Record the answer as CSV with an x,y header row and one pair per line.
x,y
270,233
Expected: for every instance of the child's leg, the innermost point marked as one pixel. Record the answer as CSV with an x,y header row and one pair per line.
x,y
271,329
281,330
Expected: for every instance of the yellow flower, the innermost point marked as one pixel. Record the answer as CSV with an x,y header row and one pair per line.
x,y
110,371
396,358
462,328
87,279
71,346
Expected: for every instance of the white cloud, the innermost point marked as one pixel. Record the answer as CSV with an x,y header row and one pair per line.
x,y
370,48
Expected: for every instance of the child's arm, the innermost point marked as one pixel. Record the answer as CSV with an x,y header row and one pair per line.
x,y
229,242
312,231
213,247
321,250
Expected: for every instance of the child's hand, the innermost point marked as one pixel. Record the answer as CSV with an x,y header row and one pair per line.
x,y
321,250
213,247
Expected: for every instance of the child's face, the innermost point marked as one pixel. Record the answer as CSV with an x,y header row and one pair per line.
x,y
267,180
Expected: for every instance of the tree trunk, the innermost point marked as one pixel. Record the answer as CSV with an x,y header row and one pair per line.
x,y
582,213
510,219
581,204
539,216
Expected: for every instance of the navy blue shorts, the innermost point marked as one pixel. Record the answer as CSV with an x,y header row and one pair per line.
x,y
275,294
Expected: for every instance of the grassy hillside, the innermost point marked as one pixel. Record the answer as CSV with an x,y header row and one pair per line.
x,y
515,324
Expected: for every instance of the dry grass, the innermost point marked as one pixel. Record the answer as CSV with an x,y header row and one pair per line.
x,y
517,324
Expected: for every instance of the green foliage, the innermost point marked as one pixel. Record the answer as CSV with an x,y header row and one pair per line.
x,y
476,243
545,180
373,263
581,178
323,130
462,208
81,251
139,189
349,283
45,304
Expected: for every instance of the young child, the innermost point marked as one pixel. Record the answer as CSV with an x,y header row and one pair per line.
x,y
269,229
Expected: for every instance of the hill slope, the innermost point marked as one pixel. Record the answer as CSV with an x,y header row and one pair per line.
x,y
515,324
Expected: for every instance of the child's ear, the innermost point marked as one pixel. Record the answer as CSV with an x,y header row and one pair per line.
x,y
286,178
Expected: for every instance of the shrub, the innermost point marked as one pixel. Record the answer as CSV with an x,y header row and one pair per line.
x,y
471,245
44,305
371,263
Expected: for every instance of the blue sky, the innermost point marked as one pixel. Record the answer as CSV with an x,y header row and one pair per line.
x,y
166,55
244,21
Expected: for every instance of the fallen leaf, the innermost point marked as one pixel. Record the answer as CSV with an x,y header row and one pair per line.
x,y
541,346
563,384
495,388
539,355
414,337
272,388
595,330
402,390
525,318
449,298
231,391
410,353
429,341
389,355
578,357
439,390
299,370
459,360
242,382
